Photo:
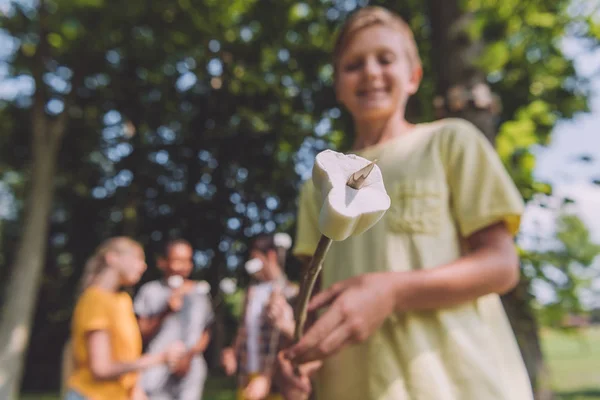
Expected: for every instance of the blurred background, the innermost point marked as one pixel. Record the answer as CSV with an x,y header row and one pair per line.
x,y
201,118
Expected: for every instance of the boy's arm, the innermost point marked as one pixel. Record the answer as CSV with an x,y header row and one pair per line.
x,y
202,343
183,366
149,321
149,325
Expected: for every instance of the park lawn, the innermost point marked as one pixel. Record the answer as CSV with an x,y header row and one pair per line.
x,y
573,359
217,388
574,362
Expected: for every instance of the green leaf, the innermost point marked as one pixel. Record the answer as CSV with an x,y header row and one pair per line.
x,y
495,57
540,19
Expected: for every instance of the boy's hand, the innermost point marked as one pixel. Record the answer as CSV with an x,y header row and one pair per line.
x,y
258,388
281,314
229,361
182,367
295,387
175,302
138,394
357,307
174,353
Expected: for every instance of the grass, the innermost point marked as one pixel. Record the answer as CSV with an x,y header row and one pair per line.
x,y
217,388
573,359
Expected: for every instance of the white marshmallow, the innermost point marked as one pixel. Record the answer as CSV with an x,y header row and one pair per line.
x,y
253,266
346,211
282,239
175,281
228,285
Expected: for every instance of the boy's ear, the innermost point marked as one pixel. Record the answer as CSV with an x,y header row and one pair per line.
x,y
415,80
161,263
272,256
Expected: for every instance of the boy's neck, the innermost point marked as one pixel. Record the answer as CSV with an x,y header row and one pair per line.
x,y
373,132
167,276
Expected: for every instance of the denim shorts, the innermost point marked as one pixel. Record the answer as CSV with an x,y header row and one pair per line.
x,y
73,395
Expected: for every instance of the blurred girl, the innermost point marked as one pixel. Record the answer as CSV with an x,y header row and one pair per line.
x,y
106,341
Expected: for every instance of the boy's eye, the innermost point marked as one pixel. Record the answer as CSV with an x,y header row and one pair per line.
x,y
353,66
386,58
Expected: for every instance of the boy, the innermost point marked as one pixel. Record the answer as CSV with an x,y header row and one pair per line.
x,y
170,309
258,337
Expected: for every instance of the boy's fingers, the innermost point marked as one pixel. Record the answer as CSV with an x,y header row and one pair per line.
x,y
325,297
315,335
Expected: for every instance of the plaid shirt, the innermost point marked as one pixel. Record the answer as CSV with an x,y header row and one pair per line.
x,y
270,340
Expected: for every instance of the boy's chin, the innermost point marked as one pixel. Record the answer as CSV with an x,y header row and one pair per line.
x,y
375,112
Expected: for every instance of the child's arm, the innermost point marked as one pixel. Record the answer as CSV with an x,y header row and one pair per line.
x,y
103,367
138,393
281,315
183,365
149,325
202,343
149,320
359,305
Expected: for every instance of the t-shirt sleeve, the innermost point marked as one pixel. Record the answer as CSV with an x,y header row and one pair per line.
x,y
210,314
93,312
307,227
141,300
482,191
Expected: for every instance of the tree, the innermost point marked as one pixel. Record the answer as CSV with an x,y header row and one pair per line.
x,y
200,118
47,134
472,43
563,267
152,166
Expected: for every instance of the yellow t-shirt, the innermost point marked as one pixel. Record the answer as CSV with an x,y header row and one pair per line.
x,y
445,182
101,310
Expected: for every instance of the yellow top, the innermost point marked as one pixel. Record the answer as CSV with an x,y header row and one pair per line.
x,y
446,182
101,310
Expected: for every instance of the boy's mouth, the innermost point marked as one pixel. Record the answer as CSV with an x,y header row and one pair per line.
x,y
372,92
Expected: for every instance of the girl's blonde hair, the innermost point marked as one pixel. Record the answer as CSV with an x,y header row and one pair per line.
x,y
97,262
371,16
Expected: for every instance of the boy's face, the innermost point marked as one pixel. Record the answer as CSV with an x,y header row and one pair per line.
x,y
270,265
178,261
374,77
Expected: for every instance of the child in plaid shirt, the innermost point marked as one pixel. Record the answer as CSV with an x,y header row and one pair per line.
x,y
258,339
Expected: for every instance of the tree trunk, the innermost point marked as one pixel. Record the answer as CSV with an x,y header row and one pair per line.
x,y
463,92
26,272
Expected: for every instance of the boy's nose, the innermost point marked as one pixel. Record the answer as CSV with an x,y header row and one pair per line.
x,y
372,68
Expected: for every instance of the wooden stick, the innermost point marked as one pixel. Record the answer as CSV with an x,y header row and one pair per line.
x,y
309,277
308,283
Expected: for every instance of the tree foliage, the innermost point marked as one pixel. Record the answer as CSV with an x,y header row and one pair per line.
x,y
200,119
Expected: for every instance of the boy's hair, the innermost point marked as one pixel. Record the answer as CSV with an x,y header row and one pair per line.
x,y
266,241
371,16
263,242
171,243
